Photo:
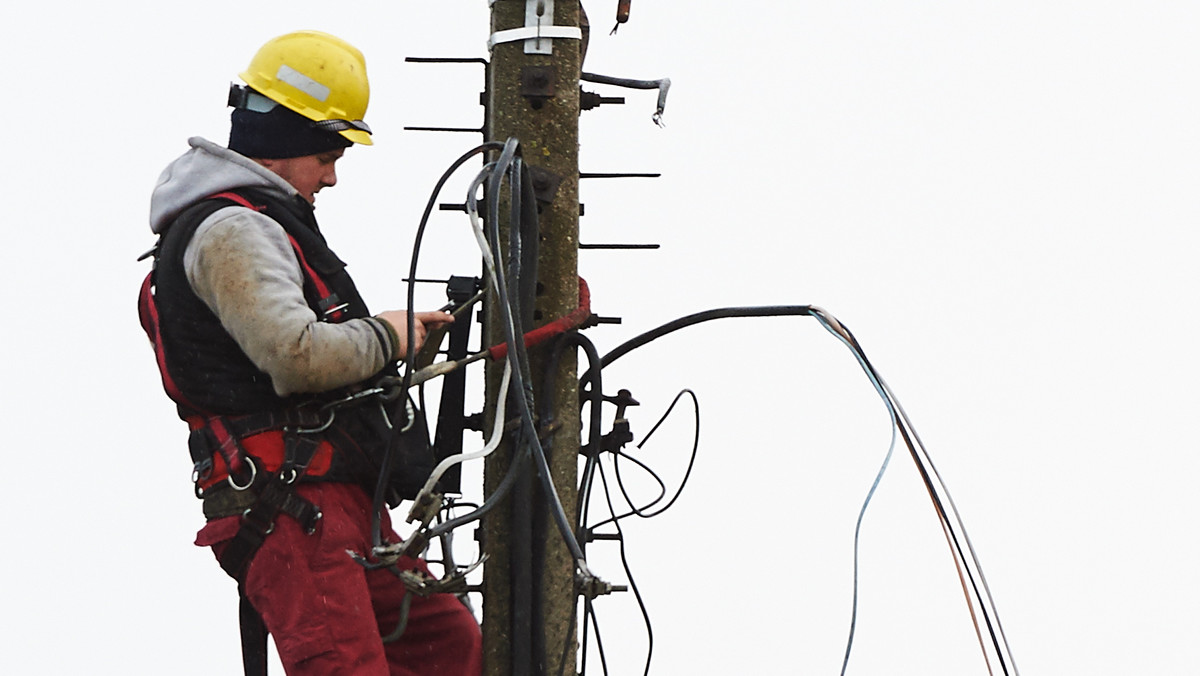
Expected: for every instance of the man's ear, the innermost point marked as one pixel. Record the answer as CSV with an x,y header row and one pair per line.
x,y
266,163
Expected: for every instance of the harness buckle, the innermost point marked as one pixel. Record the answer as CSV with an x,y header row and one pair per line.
x,y
332,307
270,526
202,470
311,526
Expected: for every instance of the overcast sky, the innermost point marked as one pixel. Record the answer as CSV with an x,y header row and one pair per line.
x,y
998,198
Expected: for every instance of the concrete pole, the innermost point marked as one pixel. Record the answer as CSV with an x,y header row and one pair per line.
x,y
535,98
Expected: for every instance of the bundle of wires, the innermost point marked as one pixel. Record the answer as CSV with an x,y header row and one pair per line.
x,y
981,606
992,641
516,391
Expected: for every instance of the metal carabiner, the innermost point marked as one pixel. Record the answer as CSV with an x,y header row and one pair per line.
x,y
321,428
409,410
253,475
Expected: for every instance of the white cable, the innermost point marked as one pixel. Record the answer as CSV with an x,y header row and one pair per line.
x,y
489,260
492,444
498,424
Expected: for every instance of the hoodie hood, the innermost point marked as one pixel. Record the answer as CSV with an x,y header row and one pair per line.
x,y
206,169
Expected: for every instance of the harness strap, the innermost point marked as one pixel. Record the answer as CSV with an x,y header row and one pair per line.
x,y
148,315
268,494
227,432
275,497
254,637
270,498
331,306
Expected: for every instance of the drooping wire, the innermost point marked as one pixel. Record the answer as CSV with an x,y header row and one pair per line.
x,y
955,536
636,510
691,459
975,588
637,594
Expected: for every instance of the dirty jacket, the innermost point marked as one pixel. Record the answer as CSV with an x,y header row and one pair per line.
x,y
241,264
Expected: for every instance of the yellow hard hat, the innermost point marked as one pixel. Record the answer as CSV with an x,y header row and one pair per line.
x,y
318,75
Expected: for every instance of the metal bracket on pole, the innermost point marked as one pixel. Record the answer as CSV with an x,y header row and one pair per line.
x,y
539,32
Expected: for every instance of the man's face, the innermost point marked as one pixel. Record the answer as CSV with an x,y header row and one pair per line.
x,y
307,174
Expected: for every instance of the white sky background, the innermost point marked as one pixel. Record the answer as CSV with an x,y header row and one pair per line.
x,y
999,199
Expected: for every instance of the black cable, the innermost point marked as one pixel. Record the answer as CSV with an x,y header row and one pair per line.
x,y
693,319
591,614
637,594
546,409
525,597
615,519
634,511
508,164
506,484
691,461
970,548
522,589
591,450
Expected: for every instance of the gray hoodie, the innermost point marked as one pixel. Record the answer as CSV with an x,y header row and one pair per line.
x,y
241,264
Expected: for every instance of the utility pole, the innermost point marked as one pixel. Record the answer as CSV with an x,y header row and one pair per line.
x,y
529,578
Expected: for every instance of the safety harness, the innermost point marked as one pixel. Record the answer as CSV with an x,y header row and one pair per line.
x,y
250,464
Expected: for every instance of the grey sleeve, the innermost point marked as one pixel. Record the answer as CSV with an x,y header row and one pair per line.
x,y
241,264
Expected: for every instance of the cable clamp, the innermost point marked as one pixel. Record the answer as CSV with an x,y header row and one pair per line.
x,y
533,33
538,37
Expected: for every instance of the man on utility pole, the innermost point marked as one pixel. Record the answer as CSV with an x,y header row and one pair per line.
x,y
281,372
533,96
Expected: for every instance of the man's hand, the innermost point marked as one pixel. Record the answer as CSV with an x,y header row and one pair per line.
x,y
422,324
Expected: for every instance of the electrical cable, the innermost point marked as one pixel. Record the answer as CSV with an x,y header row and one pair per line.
x,y
488,245
637,594
490,265
615,519
524,617
903,426
388,457
527,445
492,443
691,461
663,86
857,531
594,397
506,484
517,350
589,449
976,590
635,510
696,318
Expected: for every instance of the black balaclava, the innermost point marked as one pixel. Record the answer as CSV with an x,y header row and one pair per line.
x,y
279,134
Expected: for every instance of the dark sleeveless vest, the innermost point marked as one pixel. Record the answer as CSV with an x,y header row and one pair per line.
x,y
206,363
211,378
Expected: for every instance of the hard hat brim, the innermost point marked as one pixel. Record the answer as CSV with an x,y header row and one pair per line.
x,y
357,136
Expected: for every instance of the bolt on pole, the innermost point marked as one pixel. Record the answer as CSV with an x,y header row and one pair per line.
x,y
529,580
